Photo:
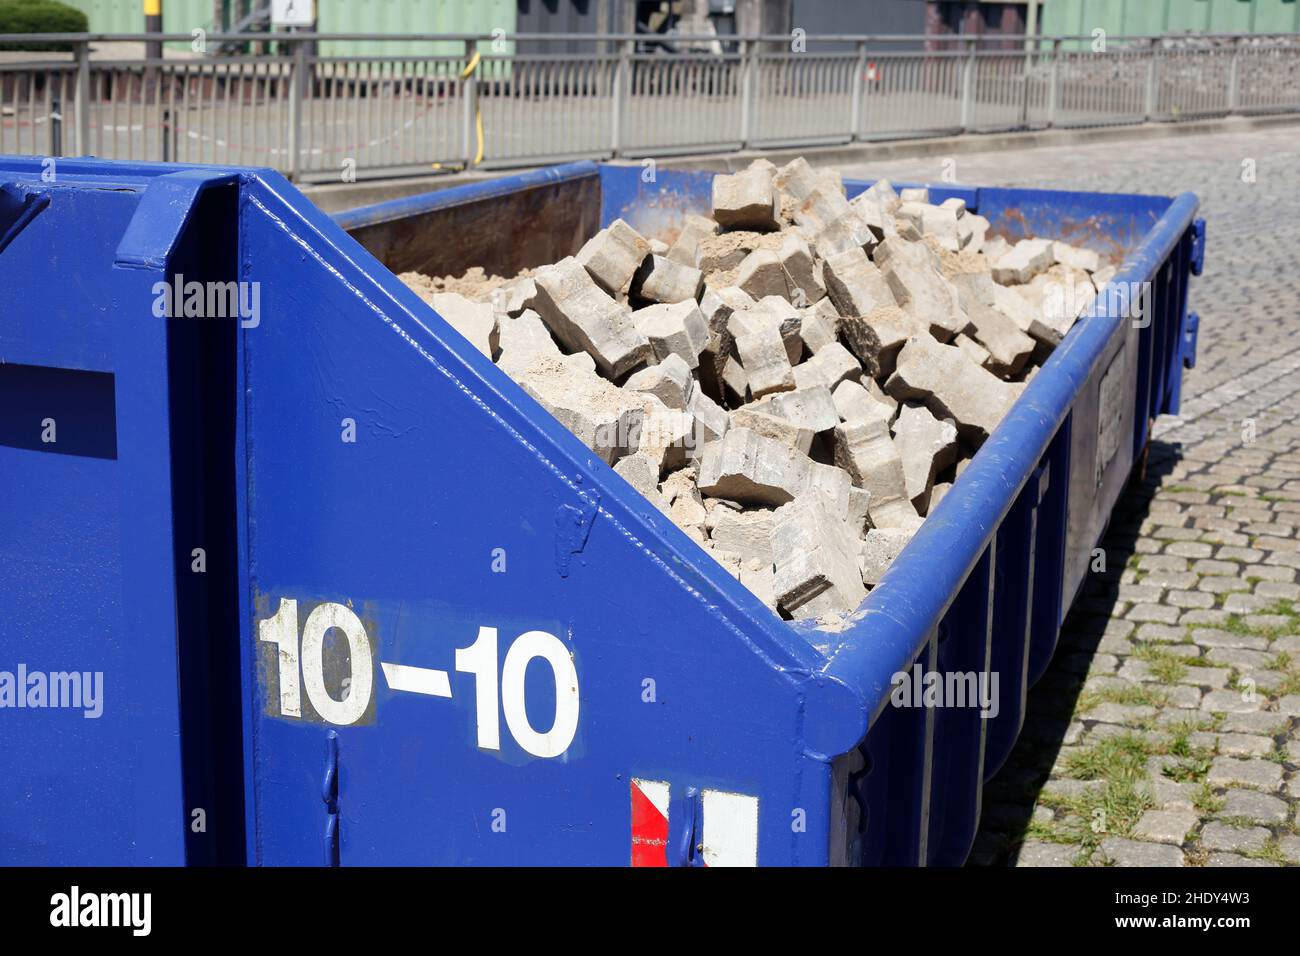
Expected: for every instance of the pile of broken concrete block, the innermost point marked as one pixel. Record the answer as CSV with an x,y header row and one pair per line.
x,y
797,381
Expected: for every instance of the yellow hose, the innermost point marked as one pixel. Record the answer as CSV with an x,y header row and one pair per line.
x,y
465,74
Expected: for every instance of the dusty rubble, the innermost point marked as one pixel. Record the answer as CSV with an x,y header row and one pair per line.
x,y
795,382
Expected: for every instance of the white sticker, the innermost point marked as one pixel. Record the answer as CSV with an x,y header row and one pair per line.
x,y
1110,413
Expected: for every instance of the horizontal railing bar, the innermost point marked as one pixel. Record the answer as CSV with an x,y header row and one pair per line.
x,y
661,39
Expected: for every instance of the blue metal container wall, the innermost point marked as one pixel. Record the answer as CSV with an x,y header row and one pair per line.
x,y
87,552
462,637
985,587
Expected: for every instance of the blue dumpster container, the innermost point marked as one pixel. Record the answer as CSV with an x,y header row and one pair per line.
x,y
357,599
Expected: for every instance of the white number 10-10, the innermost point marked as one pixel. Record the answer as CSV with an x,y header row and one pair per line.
x,y
492,694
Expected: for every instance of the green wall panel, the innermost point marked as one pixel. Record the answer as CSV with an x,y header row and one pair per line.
x,y
410,16
1146,17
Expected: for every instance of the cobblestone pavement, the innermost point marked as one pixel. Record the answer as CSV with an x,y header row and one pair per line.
x,y
1167,732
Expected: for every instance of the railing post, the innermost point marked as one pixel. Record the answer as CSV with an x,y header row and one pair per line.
x,y
622,77
1026,71
859,78
968,88
1234,96
469,96
747,81
297,76
83,97
1054,87
1153,78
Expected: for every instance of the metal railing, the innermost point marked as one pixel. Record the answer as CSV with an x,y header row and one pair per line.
x,y
421,107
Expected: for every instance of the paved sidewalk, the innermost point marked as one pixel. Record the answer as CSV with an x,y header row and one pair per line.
x,y
1167,732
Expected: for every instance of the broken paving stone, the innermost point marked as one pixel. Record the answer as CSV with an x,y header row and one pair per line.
x,y
521,339
746,534
914,194
717,307
808,408
879,549
832,365
972,231
974,351
1008,347
769,425
940,222
673,329
927,446
660,279
475,321
912,272
584,318
797,178
602,416
816,568
818,325
642,473
1076,257
1061,296
774,309
747,467
832,485
686,249
745,200
711,421
725,251
735,383
514,298
766,362
866,452
974,286
1026,259
855,285
760,579
863,342
670,381
761,274
805,285
854,403
665,435
613,255
952,386
685,505
892,327
859,509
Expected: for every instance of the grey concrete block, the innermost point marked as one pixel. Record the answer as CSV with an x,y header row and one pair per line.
x,y
927,446
1026,259
674,329
749,468
476,321
816,572
763,354
670,381
745,200
832,365
583,317
613,255
879,549
602,416
660,279
948,383
912,271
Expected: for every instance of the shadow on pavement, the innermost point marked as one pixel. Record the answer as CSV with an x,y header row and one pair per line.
x,y
1010,797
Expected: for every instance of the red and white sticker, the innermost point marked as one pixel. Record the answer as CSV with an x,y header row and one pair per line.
x,y
729,825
